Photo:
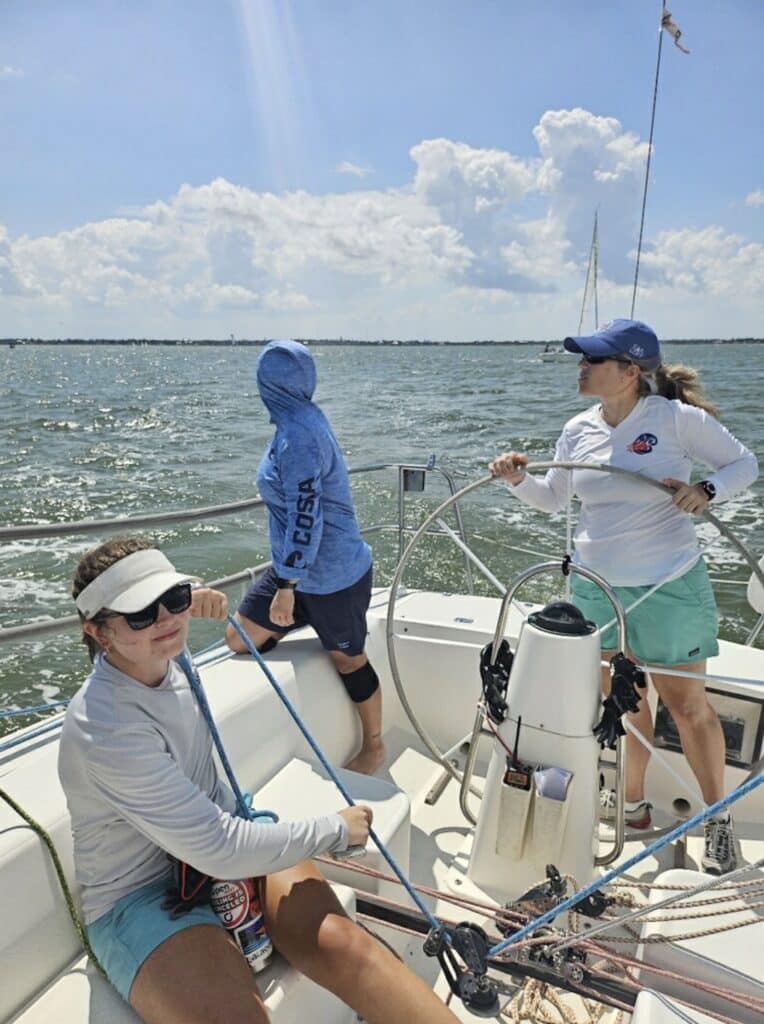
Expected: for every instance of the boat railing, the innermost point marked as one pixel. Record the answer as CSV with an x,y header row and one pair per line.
x,y
411,478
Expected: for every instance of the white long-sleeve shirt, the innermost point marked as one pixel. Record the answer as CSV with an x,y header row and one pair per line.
x,y
136,765
631,534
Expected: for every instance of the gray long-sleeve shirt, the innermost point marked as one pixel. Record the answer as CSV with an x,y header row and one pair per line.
x,y
136,765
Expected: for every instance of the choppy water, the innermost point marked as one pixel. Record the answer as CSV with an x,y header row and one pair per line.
x,y
89,432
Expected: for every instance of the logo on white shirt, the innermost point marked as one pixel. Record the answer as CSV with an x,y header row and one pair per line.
x,y
643,444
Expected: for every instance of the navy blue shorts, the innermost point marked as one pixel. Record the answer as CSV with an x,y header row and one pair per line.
x,y
338,618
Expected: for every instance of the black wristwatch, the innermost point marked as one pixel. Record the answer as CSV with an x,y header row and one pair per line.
x,y
283,584
708,489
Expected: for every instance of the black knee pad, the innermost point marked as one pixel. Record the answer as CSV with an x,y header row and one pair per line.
x,y
267,645
361,684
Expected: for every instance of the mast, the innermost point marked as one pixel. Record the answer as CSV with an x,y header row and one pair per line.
x,y
591,276
595,256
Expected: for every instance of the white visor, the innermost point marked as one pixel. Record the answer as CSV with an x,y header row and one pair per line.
x,y
131,584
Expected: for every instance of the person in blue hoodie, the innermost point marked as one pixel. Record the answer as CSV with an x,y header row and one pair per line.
x,y
321,566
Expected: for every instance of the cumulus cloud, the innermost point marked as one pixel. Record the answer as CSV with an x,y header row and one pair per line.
x,y
708,261
473,192
590,163
13,281
755,198
223,247
466,244
346,167
585,162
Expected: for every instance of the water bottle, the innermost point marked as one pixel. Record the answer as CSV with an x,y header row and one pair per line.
x,y
237,904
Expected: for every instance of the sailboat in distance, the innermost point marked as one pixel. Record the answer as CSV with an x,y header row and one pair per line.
x,y
553,352
590,284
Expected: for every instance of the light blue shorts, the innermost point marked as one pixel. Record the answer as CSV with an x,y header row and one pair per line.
x,y
677,625
125,936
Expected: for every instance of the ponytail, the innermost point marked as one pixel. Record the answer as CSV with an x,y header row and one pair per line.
x,y
676,382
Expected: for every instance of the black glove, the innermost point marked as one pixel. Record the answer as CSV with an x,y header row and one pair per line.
x,y
609,727
495,679
624,677
623,698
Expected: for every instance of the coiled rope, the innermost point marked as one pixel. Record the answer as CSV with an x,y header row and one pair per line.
x,y
649,851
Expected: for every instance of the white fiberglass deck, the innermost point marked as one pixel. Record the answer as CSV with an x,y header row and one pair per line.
x,y
438,642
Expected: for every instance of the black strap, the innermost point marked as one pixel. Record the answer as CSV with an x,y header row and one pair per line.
x,y
190,888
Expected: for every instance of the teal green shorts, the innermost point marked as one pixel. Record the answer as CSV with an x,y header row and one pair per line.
x,y
677,625
125,936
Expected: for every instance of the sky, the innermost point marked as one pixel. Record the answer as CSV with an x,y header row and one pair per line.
x,y
377,168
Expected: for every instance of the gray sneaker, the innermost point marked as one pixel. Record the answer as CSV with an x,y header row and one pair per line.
x,y
719,855
639,817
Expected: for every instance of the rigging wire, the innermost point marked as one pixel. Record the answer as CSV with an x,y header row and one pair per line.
x,y
647,165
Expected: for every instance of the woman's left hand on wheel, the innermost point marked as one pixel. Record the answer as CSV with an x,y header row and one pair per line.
x,y
208,604
510,467
690,498
282,608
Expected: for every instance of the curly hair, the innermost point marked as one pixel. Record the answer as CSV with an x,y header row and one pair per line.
x,y
91,565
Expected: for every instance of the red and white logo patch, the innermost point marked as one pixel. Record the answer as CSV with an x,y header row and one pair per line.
x,y
231,901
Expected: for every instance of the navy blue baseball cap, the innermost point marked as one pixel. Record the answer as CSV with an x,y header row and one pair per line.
x,y
630,338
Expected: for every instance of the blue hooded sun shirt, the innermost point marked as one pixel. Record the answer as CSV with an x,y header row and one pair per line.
x,y
302,478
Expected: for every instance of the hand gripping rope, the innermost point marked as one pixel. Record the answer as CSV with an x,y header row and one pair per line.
x,y
470,983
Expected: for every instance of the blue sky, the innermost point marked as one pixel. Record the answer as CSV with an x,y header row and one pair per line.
x,y
420,169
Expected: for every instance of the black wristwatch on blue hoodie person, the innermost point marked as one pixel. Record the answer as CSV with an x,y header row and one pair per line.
x,y
283,584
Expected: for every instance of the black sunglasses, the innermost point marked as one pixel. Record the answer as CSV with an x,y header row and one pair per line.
x,y
176,600
598,360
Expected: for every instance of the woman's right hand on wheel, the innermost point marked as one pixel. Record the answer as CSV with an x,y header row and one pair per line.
x,y
358,820
510,466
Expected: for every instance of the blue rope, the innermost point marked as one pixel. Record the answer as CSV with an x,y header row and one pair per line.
x,y
331,772
680,830
243,802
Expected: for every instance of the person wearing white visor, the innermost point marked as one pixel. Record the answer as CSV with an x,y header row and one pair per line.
x,y
136,764
132,584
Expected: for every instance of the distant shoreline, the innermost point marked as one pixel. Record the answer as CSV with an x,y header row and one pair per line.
x,y
336,342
